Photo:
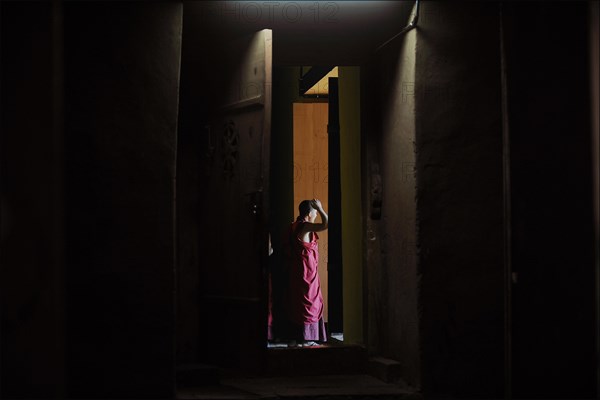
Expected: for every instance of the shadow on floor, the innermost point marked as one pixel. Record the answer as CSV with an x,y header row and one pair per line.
x,y
325,372
326,387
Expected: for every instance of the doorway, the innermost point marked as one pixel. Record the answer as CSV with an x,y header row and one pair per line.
x,y
301,169
311,178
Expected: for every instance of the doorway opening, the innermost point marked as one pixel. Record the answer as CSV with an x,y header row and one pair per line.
x,y
311,162
306,122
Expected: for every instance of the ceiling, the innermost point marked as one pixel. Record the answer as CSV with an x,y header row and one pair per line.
x,y
306,32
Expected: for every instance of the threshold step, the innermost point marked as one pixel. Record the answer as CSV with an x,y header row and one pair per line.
x,y
192,375
326,387
385,369
317,360
355,386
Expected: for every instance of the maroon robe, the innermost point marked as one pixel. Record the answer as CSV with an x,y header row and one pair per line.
x,y
270,334
305,300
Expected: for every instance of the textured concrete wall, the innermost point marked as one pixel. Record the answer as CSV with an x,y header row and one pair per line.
x,y
398,244
122,78
459,198
389,135
285,92
459,225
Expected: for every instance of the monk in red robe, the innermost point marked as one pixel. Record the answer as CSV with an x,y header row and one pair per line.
x,y
305,300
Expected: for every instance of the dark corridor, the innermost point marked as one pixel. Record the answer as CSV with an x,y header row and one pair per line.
x,y
122,203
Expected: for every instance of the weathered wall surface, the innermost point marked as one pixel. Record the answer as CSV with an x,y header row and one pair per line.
x,y
459,198
389,150
122,63
285,92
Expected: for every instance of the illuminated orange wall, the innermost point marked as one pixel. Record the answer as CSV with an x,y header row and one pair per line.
x,y
311,169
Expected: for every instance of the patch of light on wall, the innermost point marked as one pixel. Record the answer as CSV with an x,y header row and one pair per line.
x,y
322,87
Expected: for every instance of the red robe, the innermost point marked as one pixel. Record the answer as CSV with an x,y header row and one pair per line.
x,y
305,297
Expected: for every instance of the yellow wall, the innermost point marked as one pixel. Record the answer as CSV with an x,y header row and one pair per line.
x,y
349,101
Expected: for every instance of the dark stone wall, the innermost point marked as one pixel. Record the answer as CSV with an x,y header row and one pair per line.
x,y
193,153
189,215
122,64
433,143
390,189
459,199
202,89
553,302
89,117
283,209
31,225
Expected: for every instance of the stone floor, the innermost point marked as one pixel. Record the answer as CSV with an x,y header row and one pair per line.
x,y
328,387
325,372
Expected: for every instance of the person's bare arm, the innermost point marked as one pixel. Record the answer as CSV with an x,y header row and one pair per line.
x,y
310,227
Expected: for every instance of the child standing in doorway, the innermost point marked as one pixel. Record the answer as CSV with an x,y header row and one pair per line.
x,y
305,299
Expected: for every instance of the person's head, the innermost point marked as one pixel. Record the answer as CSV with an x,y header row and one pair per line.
x,y
307,212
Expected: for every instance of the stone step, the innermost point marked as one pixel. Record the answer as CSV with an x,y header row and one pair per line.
x,y
318,360
384,369
190,375
329,387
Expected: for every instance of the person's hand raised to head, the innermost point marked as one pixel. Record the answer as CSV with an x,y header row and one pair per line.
x,y
316,204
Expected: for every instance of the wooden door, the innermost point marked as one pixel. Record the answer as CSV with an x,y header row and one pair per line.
x,y
233,314
311,171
